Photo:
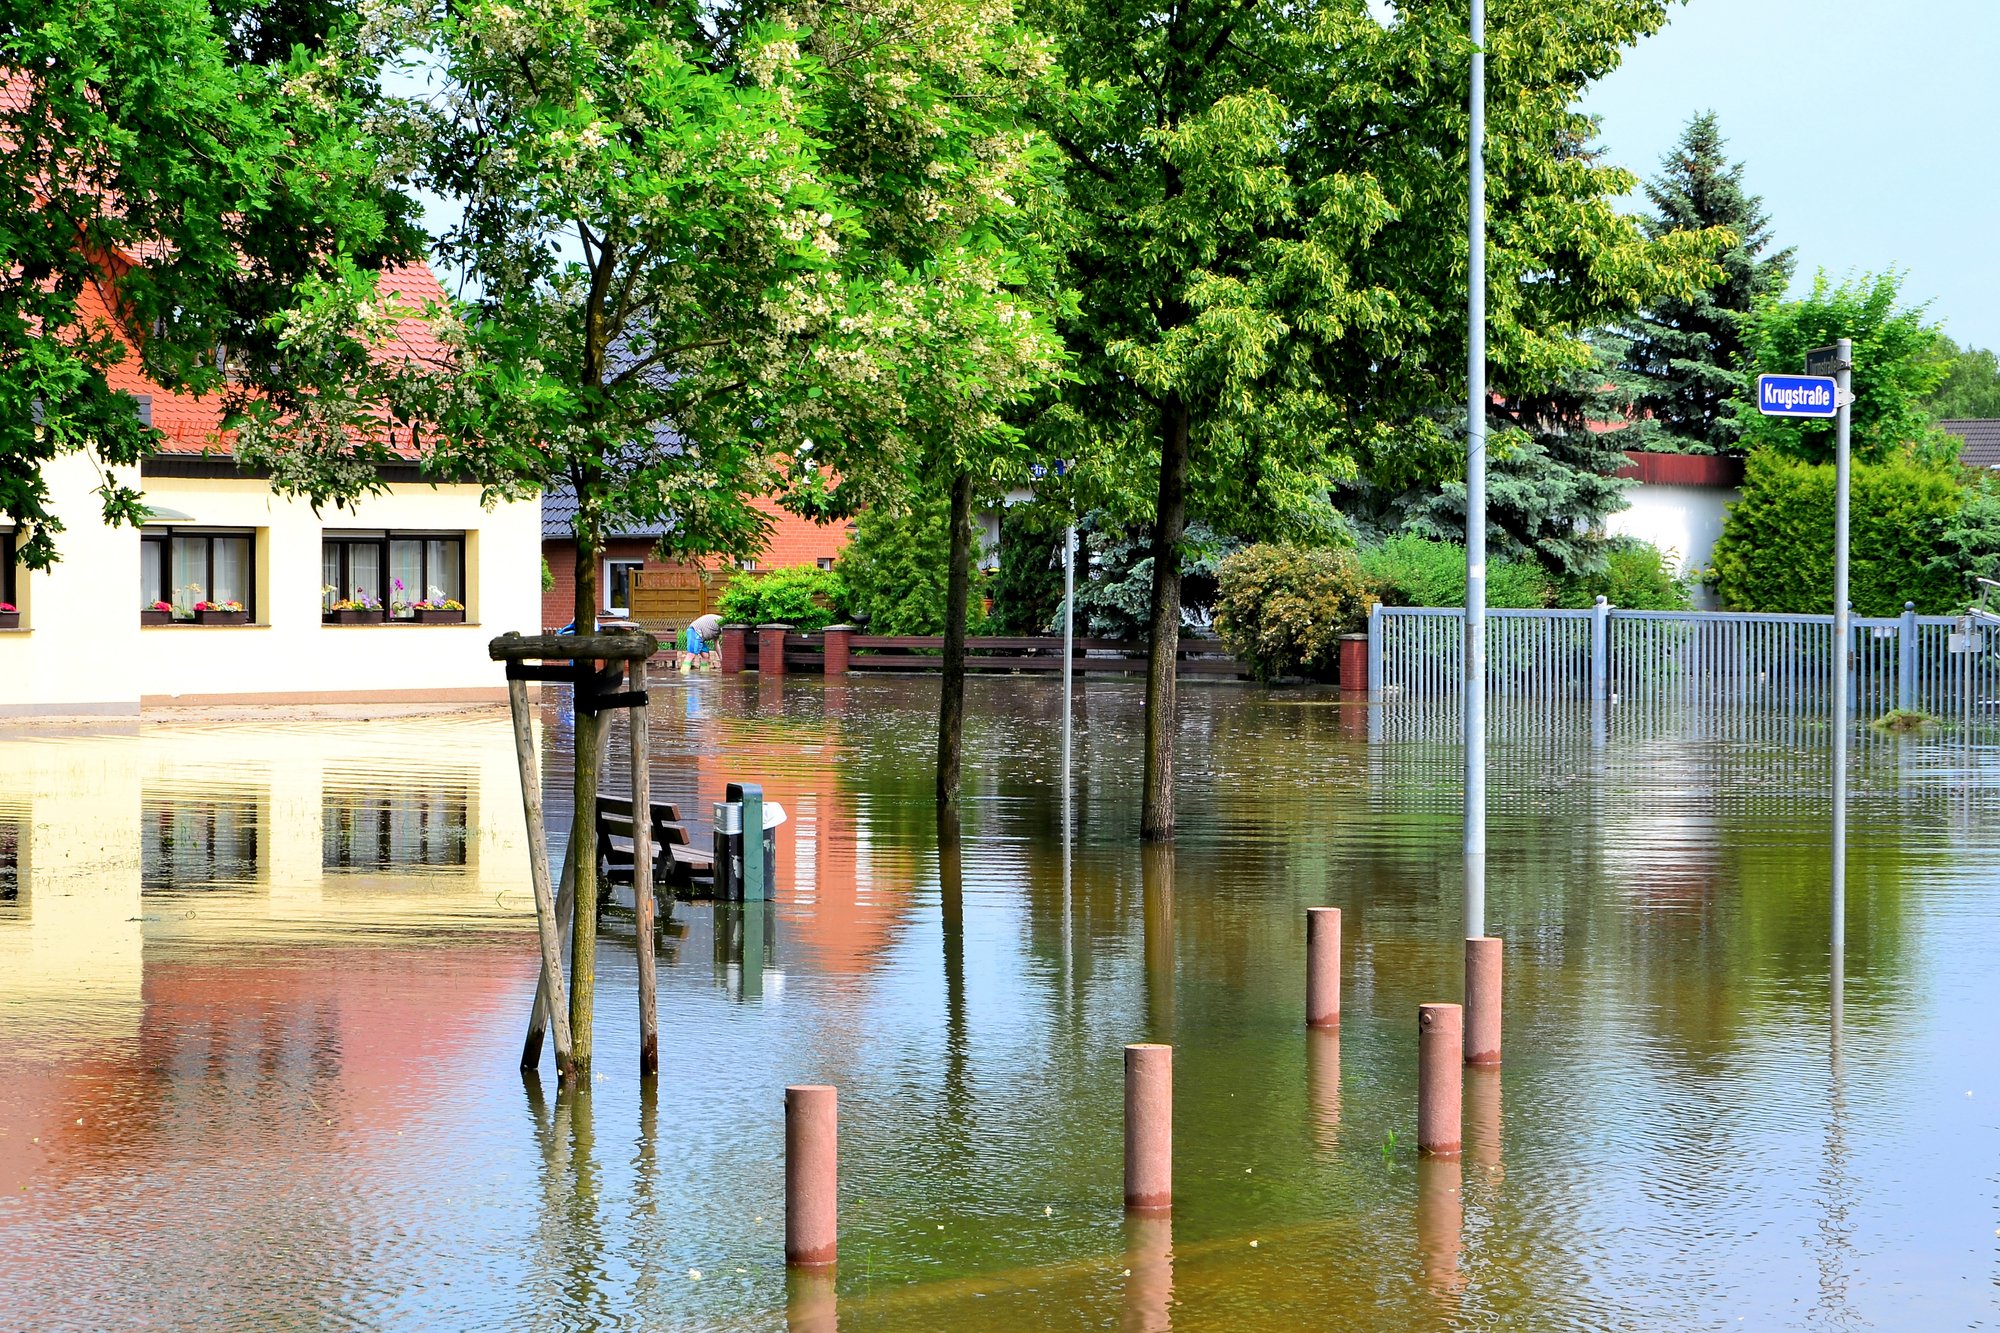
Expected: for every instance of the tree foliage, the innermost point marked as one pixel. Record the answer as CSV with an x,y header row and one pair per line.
x,y
894,572
156,187
1970,389
1686,348
1409,570
1896,369
1912,536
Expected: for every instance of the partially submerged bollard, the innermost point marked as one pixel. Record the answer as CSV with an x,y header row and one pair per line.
x,y
1440,1078
1482,1001
812,1175
1323,967
1149,1127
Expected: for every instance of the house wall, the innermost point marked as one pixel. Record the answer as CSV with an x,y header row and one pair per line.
x,y
84,651
793,541
77,650
1684,521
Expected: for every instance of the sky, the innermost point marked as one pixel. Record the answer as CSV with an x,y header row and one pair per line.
x,y
1871,129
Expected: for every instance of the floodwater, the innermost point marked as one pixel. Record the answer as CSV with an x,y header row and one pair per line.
x,y
262,990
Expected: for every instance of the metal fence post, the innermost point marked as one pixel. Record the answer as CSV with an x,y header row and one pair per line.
x,y
1600,649
1906,658
1375,652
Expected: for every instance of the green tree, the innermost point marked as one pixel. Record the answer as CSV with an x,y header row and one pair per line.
x,y
1686,348
1268,209
923,107
1970,389
895,574
1912,538
133,137
1896,370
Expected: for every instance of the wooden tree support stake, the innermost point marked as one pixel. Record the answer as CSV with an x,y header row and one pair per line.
x,y
582,842
538,871
642,874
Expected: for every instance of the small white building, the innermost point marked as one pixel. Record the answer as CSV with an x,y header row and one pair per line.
x,y
116,625
1679,506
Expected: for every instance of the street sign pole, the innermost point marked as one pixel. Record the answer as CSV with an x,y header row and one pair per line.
x,y
1475,497
1842,642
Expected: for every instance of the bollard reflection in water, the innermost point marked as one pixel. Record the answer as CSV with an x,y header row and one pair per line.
x,y
1482,1119
745,945
1440,1222
810,1303
1323,1085
1149,1264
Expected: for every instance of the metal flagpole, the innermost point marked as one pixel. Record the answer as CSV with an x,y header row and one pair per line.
x,y
1475,501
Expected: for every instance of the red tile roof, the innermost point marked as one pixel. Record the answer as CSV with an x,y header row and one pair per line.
x,y
191,425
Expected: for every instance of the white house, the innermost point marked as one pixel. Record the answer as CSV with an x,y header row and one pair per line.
x,y
1679,506
88,639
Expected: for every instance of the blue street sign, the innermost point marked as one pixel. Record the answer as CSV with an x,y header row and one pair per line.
x,y
1797,396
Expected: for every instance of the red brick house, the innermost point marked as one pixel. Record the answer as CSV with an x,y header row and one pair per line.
x,y
793,541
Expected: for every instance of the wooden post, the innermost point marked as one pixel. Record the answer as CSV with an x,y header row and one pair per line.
x,y
538,872
538,1018
642,877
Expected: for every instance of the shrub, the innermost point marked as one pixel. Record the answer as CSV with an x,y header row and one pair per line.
x,y
893,572
1417,571
802,596
1636,575
1776,550
1282,609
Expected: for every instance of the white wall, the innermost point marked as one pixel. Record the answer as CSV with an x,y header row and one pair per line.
x,y
84,650
1684,521
78,646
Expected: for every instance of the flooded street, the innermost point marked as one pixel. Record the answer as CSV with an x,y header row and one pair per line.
x,y
263,987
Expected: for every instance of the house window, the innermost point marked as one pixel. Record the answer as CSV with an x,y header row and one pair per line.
x,y
747,566
618,585
825,562
185,566
389,574
10,576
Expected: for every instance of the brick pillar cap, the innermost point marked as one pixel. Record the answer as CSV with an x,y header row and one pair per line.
x,y
774,625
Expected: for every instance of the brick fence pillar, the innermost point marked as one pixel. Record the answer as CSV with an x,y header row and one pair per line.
x,y
771,649
734,648
837,637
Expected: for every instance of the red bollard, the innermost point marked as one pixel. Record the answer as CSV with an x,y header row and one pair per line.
x,y
1482,1001
1323,967
1440,1078
812,1175
1149,1127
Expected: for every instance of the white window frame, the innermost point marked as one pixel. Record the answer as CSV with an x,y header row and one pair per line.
x,y
606,585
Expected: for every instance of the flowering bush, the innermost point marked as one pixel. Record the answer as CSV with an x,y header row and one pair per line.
x,y
6,608
438,604
1282,608
167,607
218,606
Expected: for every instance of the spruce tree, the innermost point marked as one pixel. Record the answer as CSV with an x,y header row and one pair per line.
x,y
1687,350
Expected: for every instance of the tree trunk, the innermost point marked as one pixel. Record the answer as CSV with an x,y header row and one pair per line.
x,y
583,824
1163,645
951,696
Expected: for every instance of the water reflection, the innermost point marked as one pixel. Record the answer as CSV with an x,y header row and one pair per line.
x,y
810,1305
1149,1281
1323,1085
301,1110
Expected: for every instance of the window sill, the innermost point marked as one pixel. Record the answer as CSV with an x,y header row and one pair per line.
x,y
403,624
196,624
19,629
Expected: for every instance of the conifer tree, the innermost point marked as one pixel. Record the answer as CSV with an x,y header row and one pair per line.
x,y
1687,349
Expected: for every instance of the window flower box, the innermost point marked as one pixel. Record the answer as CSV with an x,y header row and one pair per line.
x,y
10,618
209,615
443,612
148,616
353,615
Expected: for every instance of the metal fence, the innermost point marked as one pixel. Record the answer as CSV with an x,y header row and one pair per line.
x,y
1691,660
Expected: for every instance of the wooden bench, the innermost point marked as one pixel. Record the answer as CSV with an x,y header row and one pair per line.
x,y
678,863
